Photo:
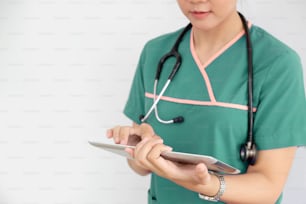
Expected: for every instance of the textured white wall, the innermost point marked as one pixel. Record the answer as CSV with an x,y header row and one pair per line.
x,y
65,71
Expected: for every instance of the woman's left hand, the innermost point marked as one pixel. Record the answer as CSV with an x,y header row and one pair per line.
x,y
148,153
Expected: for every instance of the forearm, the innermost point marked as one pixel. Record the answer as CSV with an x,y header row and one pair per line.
x,y
263,182
138,169
251,188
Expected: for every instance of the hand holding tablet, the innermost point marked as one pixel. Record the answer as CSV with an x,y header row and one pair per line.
x,y
212,163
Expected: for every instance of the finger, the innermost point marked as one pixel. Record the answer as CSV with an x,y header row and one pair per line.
x,y
144,130
143,148
116,133
158,163
109,133
157,150
202,174
130,151
124,134
145,145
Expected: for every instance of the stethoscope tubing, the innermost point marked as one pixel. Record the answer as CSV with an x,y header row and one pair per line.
x,y
156,100
173,53
250,139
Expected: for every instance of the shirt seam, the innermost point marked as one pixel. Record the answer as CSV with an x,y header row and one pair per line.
x,y
201,103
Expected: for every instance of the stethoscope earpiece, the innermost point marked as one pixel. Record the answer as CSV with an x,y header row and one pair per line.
x,y
141,117
179,119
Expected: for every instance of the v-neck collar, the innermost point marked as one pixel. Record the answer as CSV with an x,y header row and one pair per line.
x,y
217,54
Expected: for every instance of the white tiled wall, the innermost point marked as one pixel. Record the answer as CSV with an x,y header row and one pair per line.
x,y
65,71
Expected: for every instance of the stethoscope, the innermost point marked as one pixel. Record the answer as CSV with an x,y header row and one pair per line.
x,y
248,151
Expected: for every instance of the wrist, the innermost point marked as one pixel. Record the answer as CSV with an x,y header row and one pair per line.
x,y
219,189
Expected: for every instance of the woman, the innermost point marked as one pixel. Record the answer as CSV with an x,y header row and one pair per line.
x,y
210,92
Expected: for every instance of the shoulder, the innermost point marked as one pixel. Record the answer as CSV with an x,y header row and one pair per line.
x,y
270,53
164,41
158,46
269,48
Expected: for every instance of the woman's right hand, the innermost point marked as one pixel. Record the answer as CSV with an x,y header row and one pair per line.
x,y
130,135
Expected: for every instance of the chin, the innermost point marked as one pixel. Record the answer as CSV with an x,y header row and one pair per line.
x,y
204,26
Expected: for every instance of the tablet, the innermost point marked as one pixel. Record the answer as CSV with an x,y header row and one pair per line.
x,y
212,163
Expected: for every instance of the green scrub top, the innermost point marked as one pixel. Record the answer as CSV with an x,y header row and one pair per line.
x,y
213,100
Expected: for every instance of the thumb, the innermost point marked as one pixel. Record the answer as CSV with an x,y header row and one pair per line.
x,y
201,174
143,130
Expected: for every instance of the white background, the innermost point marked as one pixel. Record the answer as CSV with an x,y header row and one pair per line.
x,y
65,71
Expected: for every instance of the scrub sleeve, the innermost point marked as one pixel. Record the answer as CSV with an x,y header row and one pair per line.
x,y
280,120
134,107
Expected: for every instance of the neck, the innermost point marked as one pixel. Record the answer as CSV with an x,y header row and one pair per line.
x,y
208,42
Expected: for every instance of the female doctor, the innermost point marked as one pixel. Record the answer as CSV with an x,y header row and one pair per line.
x,y
208,99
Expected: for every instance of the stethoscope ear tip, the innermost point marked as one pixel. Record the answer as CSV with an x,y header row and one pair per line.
x,y
178,119
141,118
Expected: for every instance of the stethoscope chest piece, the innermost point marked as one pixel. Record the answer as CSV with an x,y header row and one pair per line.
x,y
248,153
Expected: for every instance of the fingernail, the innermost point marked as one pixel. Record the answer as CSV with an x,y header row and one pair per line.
x,y
169,148
108,134
117,140
123,142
